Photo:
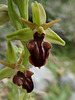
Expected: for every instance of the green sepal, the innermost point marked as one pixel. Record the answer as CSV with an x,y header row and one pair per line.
x,y
6,72
39,15
14,18
4,18
52,37
10,54
23,35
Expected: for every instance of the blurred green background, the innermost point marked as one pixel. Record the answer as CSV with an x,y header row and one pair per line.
x,y
62,59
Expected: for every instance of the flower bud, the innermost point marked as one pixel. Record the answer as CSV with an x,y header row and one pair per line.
x,y
4,18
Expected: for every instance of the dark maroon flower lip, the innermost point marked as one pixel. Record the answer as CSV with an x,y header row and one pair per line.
x,y
39,50
28,85
18,79
24,80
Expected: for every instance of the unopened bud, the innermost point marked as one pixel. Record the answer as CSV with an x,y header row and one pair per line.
x,y
4,18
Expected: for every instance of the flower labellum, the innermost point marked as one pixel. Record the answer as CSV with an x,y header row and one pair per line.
x,y
28,83
39,50
18,79
24,80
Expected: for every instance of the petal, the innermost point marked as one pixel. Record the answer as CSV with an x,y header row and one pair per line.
x,y
52,37
10,65
47,25
31,25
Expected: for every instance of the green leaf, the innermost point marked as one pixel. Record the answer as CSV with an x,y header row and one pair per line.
x,y
23,35
14,18
10,54
39,15
6,72
52,37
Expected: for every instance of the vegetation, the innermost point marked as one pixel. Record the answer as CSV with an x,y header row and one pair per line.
x,y
61,59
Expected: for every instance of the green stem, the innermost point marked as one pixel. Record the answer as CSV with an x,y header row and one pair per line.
x,y
24,13
26,52
26,55
26,9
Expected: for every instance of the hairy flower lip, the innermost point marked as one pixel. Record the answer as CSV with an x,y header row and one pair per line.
x,y
24,80
39,50
19,78
30,59
28,84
